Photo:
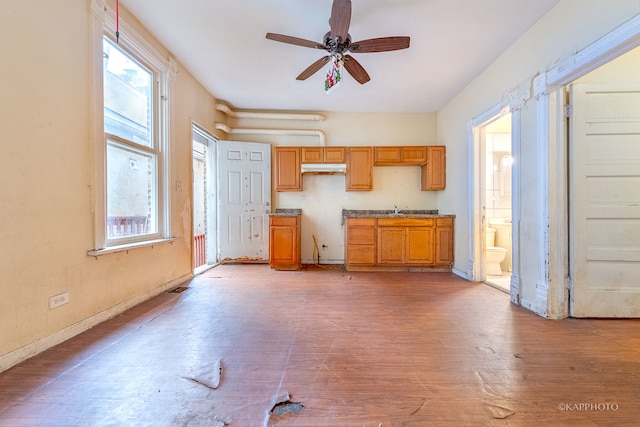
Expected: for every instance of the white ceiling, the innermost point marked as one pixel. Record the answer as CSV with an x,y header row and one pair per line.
x,y
222,43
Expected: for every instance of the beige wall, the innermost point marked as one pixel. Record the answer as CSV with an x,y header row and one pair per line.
x,y
569,27
46,224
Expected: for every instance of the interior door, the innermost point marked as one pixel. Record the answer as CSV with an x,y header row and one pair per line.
x,y
605,201
244,189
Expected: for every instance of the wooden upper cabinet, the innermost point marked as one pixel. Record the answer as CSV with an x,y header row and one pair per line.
x,y
312,155
413,155
434,171
386,156
286,172
406,155
335,154
323,154
359,169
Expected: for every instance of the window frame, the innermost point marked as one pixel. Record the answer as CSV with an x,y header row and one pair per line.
x,y
163,71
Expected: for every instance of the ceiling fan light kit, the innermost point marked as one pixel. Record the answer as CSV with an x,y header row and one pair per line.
x,y
337,42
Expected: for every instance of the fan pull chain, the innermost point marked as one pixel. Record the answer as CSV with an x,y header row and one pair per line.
x,y
117,21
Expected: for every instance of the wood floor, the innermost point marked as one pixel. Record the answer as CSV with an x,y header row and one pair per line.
x,y
353,349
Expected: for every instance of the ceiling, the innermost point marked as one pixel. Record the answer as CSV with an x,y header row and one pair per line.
x,y
222,43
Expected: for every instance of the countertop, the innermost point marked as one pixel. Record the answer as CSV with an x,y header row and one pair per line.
x,y
286,212
390,213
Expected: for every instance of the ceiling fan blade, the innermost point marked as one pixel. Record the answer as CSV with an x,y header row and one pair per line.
x,y
340,19
313,68
381,44
355,69
295,40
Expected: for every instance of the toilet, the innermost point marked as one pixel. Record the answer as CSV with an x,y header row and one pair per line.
x,y
493,255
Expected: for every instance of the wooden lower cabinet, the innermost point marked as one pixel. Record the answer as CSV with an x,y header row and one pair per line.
x,y
284,242
419,245
444,241
360,233
406,241
399,243
391,245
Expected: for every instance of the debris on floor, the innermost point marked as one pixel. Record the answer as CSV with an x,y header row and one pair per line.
x,y
220,423
286,407
499,412
424,402
178,290
209,377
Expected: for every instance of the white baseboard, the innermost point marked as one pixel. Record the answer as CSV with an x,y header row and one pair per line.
x,y
23,353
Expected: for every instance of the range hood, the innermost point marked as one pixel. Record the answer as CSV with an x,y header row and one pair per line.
x,y
324,168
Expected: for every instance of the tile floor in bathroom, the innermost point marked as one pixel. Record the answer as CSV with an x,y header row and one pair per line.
x,y
500,282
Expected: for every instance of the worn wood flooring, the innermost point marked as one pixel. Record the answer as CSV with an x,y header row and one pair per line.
x,y
353,349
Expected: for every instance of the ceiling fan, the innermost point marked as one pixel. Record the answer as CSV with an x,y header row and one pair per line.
x,y
338,43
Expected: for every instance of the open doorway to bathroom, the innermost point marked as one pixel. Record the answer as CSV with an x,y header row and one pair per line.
x,y
497,194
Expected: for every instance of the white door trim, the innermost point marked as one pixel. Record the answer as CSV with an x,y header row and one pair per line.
x,y
475,266
552,296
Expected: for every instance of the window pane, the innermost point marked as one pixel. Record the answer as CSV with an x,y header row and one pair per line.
x,y
128,96
131,192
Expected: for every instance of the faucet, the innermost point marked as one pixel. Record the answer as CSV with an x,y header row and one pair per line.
x,y
397,210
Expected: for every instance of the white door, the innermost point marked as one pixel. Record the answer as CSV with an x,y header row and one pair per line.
x,y
244,191
605,201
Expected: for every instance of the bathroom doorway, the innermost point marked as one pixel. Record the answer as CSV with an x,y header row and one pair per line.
x,y
496,141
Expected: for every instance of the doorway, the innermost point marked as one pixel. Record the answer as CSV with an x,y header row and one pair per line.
x,y
498,197
204,253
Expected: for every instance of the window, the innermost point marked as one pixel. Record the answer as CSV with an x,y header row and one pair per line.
x,y
132,152
131,90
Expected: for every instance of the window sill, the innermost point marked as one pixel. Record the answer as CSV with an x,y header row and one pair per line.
x,y
129,246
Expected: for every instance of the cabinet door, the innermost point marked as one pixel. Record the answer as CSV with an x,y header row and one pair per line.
x,y
413,155
334,154
286,171
419,245
444,241
359,169
386,156
391,245
284,243
312,155
434,172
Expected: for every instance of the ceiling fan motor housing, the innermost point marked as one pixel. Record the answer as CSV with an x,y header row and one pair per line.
x,y
336,47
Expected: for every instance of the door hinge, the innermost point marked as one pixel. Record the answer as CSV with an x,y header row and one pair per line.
x,y
567,111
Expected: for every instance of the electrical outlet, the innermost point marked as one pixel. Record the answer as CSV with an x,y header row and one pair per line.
x,y
302,197
349,196
58,300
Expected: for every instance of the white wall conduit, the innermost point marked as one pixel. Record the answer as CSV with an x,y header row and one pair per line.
x,y
258,131
268,115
